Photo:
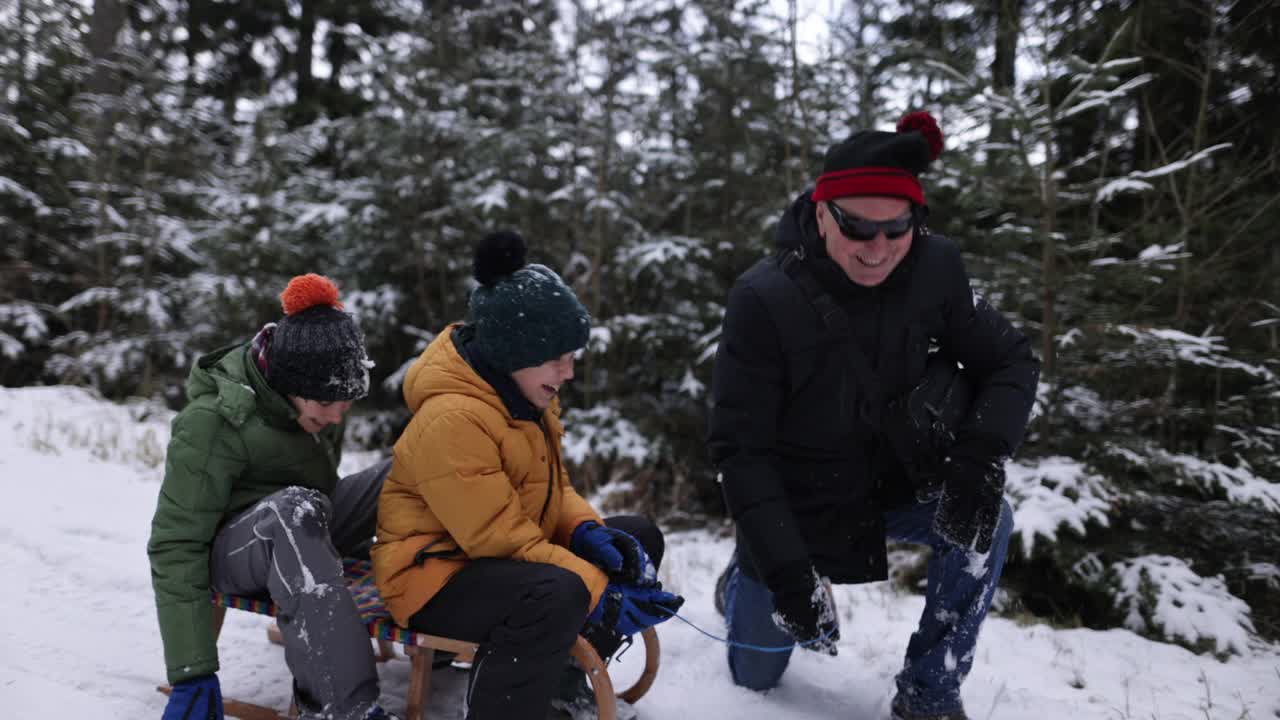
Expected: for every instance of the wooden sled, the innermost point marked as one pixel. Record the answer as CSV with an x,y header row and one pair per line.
x,y
421,649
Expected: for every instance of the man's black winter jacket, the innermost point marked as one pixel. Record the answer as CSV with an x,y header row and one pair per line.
x,y
805,477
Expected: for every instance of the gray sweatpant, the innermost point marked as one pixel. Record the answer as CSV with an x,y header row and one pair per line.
x,y
290,545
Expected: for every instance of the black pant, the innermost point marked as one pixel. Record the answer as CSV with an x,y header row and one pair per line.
x,y
525,617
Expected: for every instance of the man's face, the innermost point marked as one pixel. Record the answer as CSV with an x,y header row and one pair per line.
x,y
865,262
316,415
541,383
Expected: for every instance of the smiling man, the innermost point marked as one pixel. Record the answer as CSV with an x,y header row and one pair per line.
x,y
823,445
252,504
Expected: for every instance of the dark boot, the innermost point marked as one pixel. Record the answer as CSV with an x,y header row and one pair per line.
x,y
901,712
575,700
377,713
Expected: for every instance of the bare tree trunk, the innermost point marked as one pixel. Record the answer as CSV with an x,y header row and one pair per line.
x,y
1185,198
868,82
1189,212
10,274
788,165
1049,248
337,53
1188,205
1048,262
20,67
191,10
1004,75
108,18
573,159
601,228
148,261
609,92
1049,208
304,102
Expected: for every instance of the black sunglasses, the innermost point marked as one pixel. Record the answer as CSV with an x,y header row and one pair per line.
x,y
862,230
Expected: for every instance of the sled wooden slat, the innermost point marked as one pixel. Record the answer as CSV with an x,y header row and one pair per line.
x,y
420,649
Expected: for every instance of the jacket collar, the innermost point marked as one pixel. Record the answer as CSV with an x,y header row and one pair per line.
x,y
231,374
502,383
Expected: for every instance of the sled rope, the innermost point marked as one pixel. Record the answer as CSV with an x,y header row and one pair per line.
x,y
749,646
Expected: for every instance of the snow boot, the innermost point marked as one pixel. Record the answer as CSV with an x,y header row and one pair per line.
x,y
575,700
377,713
901,712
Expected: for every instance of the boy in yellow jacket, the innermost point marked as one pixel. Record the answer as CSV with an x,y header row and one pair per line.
x,y
480,534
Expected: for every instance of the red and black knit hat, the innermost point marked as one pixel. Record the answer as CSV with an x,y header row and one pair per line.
x,y
317,351
874,162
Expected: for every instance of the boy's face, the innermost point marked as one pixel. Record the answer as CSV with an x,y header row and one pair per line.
x,y
316,415
541,383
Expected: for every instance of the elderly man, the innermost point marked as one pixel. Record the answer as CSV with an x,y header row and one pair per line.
x,y
834,426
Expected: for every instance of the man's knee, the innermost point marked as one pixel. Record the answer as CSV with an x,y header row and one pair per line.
x,y
756,670
749,610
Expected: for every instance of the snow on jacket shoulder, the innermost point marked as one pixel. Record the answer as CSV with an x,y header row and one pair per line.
x,y
468,480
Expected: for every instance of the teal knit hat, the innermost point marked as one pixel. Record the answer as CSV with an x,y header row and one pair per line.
x,y
523,315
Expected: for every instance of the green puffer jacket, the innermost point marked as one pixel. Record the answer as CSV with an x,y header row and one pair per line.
x,y
236,442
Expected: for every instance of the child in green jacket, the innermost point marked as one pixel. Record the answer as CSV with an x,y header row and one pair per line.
x,y
252,504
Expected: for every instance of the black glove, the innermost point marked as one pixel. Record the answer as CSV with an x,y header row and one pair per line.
x,y
972,495
804,609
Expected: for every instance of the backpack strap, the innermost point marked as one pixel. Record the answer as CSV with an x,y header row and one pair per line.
x,y
836,320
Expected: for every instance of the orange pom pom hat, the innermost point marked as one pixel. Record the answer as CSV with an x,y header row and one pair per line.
x,y
317,351
873,162
309,290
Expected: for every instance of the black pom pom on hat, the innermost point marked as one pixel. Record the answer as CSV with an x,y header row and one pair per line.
x,y
499,254
523,314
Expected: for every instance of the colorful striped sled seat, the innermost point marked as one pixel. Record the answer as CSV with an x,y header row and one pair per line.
x,y
421,648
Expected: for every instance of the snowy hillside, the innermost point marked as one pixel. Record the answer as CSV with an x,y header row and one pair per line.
x,y
78,634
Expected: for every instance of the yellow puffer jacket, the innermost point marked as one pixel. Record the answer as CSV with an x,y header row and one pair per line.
x,y
468,480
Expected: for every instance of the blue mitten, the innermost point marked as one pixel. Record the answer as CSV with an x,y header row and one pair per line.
x,y
629,609
619,554
195,699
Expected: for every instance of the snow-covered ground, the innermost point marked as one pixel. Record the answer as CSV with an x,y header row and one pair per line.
x,y
78,633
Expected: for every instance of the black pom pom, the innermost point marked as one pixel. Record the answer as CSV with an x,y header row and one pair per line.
x,y
499,254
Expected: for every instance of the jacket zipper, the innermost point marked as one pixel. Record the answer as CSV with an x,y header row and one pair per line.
x,y
553,461
328,450
876,444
